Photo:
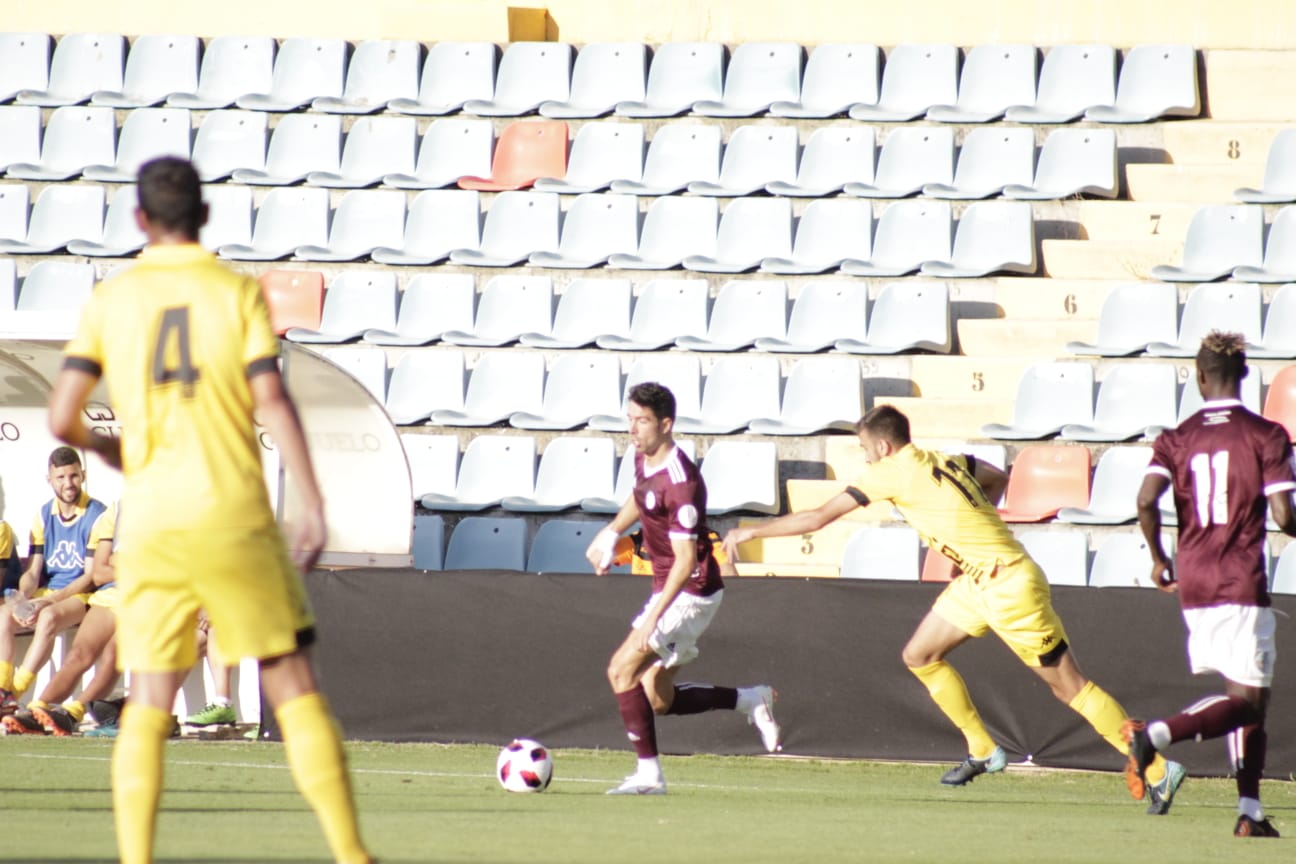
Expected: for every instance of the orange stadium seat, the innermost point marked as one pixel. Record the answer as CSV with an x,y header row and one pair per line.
x,y
296,298
525,152
1280,403
937,568
1043,480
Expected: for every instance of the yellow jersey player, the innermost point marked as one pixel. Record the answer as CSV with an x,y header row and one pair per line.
x,y
188,354
949,501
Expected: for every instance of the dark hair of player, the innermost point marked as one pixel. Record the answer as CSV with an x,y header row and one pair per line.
x,y
656,398
170,194
1222,356
886,422
62,456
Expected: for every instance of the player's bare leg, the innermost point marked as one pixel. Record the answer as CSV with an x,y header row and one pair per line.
x,y
313,747
50,621
92,638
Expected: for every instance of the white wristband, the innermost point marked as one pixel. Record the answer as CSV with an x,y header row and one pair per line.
x,y
605,542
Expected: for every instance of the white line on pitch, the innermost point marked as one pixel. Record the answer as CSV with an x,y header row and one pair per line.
x,y
413,773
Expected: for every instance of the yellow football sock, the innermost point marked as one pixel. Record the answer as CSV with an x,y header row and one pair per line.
x,y
37,703
313,747
76,709
137,779
950,694
22,679
6,675
1106,716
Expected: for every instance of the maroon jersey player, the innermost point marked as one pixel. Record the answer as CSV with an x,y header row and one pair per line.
x,y
1225,464
669,501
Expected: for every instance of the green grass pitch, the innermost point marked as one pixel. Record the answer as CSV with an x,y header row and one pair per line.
x,y
234,802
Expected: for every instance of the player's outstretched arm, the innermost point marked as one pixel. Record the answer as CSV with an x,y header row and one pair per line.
x,y
1149,517
791,524
66,403
279,415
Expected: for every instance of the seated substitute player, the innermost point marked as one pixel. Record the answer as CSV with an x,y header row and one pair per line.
x,y
186,349
948,499
93,646
669,501
55,580
1226,464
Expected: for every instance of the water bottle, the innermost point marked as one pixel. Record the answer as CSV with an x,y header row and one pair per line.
x,y
19,606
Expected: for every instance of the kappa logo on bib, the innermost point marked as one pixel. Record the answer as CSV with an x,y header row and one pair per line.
x,y
65,557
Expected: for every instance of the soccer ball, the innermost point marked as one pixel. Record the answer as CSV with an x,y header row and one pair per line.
x,y
524,766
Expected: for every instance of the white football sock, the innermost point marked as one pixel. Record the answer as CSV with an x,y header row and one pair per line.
x,y
1252,808
649,770
1159,734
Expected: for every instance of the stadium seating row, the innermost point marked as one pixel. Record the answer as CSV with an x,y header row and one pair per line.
x,y
871,552
531,227
668,312
760,77
574,472
1057,399
681,156
1144,317
743,392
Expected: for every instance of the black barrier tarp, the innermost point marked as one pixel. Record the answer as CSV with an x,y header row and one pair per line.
x,y
486,656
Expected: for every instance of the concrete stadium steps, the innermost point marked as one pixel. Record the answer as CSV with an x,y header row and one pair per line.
x,y
1128,222
1230,90
1028,297
1095,259
971,378
1221,142
822,547
1195,184
1036,338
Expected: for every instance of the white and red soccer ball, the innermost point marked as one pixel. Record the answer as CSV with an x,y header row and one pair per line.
x,y
524,766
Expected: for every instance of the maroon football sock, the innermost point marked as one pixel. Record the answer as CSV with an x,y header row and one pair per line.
x,y
1211,718
697,698
637,716
1250,766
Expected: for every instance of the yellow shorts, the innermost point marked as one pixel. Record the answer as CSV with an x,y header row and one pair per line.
x,y
45,592
1015,603
243,577
106,597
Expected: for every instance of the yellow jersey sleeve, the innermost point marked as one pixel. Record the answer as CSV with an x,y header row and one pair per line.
x,y
38,531
260,342
103,527
880,481
87,345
